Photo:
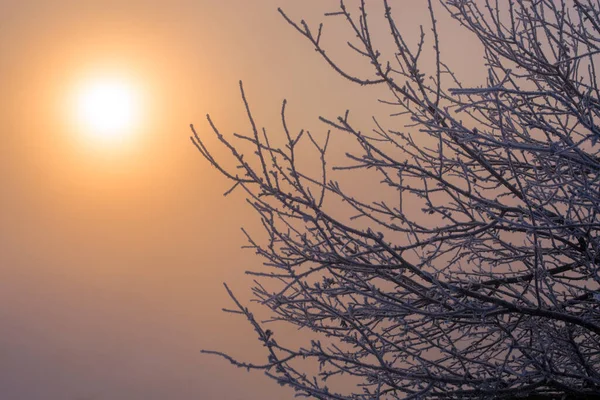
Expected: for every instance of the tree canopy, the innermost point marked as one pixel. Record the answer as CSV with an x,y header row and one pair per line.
x,y
479,277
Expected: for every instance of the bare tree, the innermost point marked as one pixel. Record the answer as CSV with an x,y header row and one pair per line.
x,y
490,289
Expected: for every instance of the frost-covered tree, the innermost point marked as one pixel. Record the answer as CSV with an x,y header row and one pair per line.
x,y
490,287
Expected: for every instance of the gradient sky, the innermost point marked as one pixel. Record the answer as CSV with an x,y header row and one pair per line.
x,y
112,258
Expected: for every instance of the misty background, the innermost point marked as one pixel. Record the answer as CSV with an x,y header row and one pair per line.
x,y
112,263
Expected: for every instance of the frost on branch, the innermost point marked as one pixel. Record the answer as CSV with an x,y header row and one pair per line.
x,y
491,290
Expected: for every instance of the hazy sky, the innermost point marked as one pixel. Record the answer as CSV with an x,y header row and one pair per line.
x,y
112,257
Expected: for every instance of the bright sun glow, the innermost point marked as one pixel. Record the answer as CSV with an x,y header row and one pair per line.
x,y
108,110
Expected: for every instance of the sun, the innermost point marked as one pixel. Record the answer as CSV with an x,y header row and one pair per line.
x,y
108,109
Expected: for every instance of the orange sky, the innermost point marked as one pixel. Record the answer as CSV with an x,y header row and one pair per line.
x,y
112,259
